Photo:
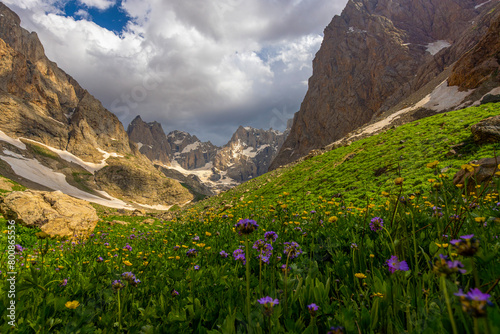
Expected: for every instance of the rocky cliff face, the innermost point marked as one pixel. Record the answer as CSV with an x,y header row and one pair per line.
x,y
189,152
248,153
49,121
376,53
150,139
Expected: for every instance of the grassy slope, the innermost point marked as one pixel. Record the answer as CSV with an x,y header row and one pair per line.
x,y
351,170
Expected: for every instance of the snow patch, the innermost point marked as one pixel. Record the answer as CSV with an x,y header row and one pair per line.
x,y
33,170
14,142
481,4
437,46
191,147
155,207
139,145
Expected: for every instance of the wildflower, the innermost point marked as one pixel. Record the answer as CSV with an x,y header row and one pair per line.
x,y
354,246
196,238
174,293
372,256
64,282
72,305
474,302
467,245
336,330
127,263
192,252
117,285
313,308
398,181
246,226
127,248
378,294
270,236
292,249
19,248
395,265
268,304
223,254
446,267
100,259
208,234
239,255
332,219
376,224
106,244
360,275
196,267
176,247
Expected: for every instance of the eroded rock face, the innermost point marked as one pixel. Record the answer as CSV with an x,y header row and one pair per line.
x,y
43,103
374,54
151,140
55,213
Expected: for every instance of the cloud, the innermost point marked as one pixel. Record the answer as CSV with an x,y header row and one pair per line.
x,y
99,4
205,67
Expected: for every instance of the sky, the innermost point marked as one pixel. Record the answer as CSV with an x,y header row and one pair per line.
x,y
199,66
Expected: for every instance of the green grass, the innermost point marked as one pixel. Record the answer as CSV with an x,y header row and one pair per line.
x,y
40,150
343,267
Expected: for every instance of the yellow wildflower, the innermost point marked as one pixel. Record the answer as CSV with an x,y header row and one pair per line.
x,y
127,263
72,305
360,275
432,164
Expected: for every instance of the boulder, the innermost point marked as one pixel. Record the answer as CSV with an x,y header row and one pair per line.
x,y
478,173
488,130
55,213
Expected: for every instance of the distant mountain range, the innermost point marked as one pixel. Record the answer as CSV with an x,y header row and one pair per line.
x,y
247,154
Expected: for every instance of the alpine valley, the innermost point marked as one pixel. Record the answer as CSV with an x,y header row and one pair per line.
x,y
376,211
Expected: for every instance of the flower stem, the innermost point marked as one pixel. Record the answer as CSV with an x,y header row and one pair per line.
x,y
260,274
119,312
448,305
284,285
247,266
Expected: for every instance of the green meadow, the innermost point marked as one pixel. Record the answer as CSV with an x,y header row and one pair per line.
x,y
373,237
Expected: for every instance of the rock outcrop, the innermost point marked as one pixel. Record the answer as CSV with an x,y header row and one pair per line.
x,y
373,56
488,130
54,212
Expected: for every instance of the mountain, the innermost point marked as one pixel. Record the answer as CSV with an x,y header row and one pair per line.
x,y
383,56
203,166
55,135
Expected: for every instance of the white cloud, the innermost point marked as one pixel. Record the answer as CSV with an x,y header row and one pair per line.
x,y
99,4
200,66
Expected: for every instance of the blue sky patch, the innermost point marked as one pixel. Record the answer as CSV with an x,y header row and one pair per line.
x,y
113,18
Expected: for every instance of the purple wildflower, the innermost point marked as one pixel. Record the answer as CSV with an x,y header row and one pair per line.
x,y
313,308
64,282
395,265
19,248
474,302
376,224
196,238
127,248
467,245
445,267
270,236
223,254
336,330
100,259
246,226
117,285
292,249
268,301
239,255
174,293
196,267
192,252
